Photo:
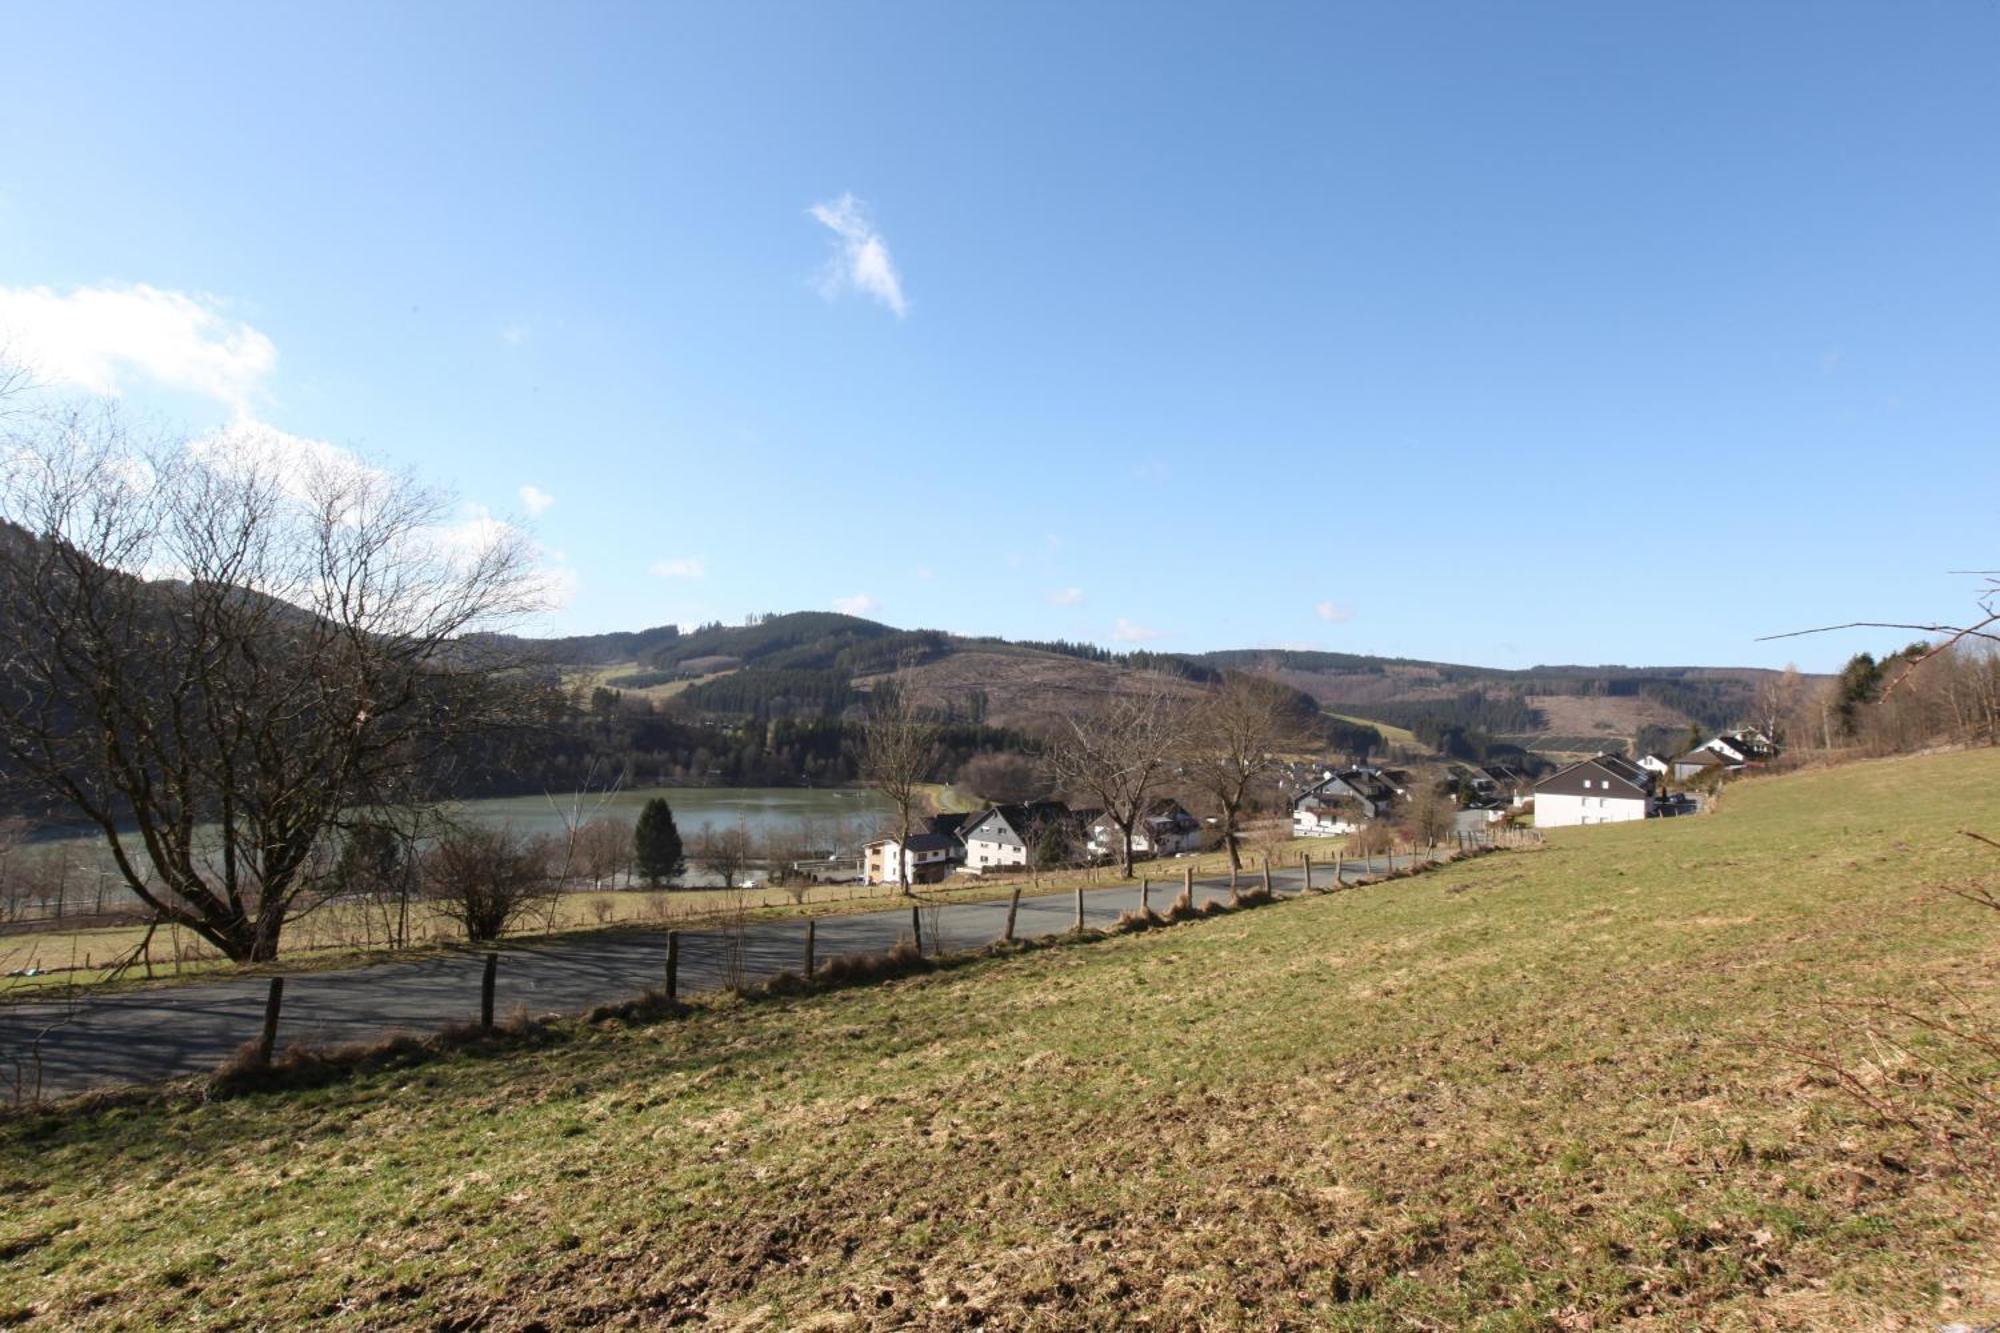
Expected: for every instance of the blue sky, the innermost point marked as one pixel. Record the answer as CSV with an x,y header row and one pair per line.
x,y
1500,334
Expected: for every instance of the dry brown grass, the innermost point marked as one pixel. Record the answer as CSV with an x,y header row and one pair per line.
x,y
1523,1091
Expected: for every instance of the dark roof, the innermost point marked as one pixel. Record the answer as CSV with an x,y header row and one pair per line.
x,y
1023,816
951,824
1598,768
932,842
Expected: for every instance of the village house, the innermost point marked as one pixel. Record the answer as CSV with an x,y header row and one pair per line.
x,y
1017,835
933,853
1604,789
1730,752
1166,829
1339,802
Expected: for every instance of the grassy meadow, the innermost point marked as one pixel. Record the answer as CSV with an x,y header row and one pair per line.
x,y
1564,1088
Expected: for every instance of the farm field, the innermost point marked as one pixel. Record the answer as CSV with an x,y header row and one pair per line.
x,y
1562,1088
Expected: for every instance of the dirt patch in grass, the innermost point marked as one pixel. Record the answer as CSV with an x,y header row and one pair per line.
x,y
1534,1091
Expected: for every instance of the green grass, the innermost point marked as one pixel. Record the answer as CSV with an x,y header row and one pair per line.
x,y
1545,1089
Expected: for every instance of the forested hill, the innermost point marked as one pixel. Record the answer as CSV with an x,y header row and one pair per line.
x,y
817,666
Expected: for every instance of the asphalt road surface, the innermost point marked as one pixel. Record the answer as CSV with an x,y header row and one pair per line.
x,y
54,1049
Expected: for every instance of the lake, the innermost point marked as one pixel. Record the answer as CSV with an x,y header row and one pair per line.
x,y
844,815
827,818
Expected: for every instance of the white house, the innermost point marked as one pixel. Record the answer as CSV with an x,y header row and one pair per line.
x,y
1654,764
929,858
1339,802
1329,818
1164,830
1605,789
1002,835
935,850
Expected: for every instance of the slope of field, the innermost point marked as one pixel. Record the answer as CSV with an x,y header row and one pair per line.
x,y
1558,1088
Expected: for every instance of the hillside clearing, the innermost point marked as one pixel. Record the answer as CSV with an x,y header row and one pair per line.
x,y
1532,1090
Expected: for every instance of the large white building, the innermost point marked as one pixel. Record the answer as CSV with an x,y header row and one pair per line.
x,y
1604,789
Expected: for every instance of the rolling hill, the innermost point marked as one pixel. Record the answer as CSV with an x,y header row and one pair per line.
x,y
821,664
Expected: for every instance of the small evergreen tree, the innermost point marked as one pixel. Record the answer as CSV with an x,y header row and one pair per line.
x,y
656,844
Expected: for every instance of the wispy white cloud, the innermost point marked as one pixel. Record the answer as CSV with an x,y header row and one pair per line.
x,y
552,580
515,334
296,463
860,261
536,501
860,604
684,567
1332,612
1130,631
96,337
1065,597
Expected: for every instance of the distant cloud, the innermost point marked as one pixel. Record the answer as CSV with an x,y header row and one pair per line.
x,y
536,501
552,580
247,446
1332,613
1127,631
1066,597
860,260
515,334
685,567
93,337
860,604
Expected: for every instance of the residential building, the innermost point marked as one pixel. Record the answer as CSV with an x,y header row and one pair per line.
x,y
1003,836
929,857
1604,789
932,854
1166,829
1339,802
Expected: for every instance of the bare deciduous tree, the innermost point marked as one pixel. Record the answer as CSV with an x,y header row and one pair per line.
x,y
1234,737
486,878
1433,813
1119,754
724,852
603,849
899,747
217,658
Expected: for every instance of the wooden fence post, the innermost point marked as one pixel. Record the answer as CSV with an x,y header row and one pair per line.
x,y
1339,869
917,929
1267,874
1306,862
812,928
1187,885
1145,897
1079,911
673,964
486,992
1013,910
267,1045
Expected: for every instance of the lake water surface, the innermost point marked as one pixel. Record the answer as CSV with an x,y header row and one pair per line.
x,y
843,814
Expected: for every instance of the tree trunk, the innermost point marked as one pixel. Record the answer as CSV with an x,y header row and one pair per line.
x,y
903,854
1229,837
1127,849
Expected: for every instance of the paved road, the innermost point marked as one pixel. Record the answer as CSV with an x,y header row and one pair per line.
x,y
144,1036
